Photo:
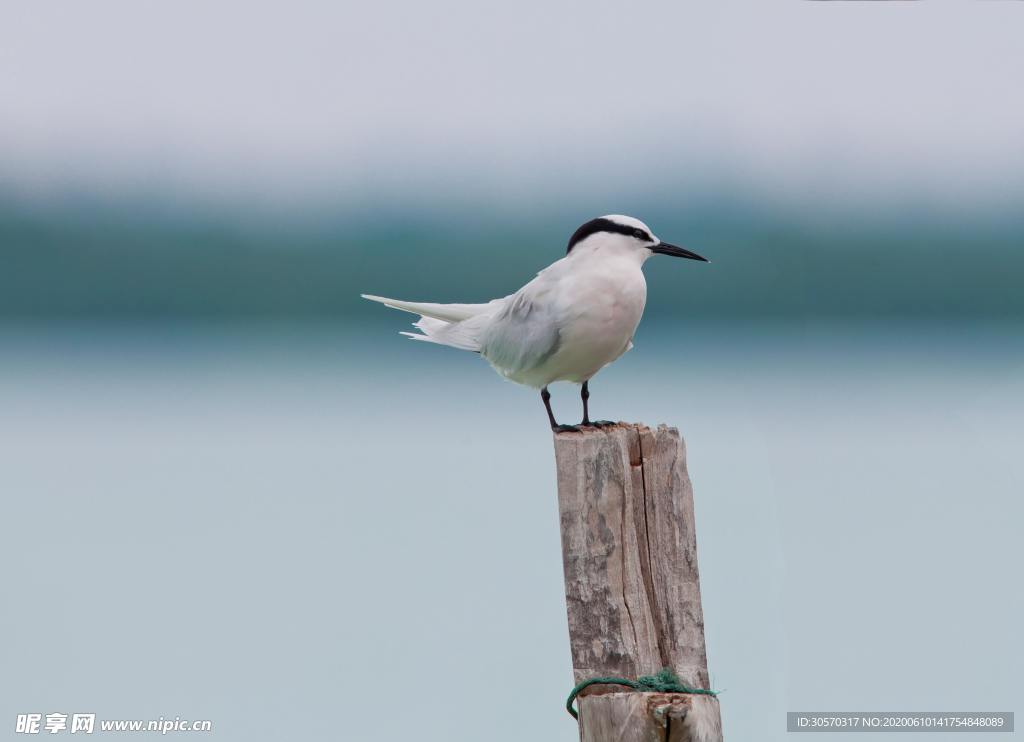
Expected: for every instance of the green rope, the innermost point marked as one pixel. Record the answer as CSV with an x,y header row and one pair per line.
x,y
665,681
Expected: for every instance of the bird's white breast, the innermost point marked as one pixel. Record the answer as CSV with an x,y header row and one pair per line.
x,y
603,303
595,303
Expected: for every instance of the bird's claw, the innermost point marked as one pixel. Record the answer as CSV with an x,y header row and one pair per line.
x,y
597,424
566,429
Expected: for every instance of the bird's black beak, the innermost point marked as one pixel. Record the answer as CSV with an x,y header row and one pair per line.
x,y
663,248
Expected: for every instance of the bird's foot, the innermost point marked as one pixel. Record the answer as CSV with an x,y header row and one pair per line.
x,y
566,429
598,424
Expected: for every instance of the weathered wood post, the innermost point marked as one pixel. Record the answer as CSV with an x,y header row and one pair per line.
x,y
629,549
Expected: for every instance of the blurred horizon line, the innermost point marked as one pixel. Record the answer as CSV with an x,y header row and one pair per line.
x,y
429,196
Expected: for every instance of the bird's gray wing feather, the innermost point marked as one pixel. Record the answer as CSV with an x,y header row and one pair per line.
x,y
523,334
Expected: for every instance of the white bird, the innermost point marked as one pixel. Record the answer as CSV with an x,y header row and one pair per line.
x,y
577,316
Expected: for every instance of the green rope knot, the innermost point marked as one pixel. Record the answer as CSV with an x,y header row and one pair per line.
x,y
665,681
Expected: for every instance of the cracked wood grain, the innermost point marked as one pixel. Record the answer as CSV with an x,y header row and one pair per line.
x,y
630,559
650,717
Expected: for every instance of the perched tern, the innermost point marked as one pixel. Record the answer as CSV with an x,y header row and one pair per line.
x,y
577,316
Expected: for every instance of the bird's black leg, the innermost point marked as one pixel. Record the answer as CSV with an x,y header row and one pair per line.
x,y
585,396
546,396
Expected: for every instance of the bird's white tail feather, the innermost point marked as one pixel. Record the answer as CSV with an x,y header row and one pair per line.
x,y
445,312
462,335
455,325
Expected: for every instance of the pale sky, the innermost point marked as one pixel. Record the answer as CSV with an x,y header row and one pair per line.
x,y
294,97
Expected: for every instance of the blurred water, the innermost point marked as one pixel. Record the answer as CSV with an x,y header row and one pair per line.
x,y
304,533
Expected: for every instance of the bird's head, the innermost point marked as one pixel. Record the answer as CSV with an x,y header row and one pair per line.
x,y
626,235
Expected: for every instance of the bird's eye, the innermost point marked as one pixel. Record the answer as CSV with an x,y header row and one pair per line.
x,y
640,234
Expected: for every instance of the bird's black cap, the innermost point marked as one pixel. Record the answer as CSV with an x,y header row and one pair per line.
x,y
603,224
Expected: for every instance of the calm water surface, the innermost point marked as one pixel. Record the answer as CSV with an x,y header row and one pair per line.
x,y
312,533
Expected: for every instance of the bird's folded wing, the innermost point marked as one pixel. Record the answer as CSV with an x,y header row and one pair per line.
x,y
522,335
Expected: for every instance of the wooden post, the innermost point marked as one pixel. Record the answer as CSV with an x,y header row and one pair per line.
x,y
632,588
